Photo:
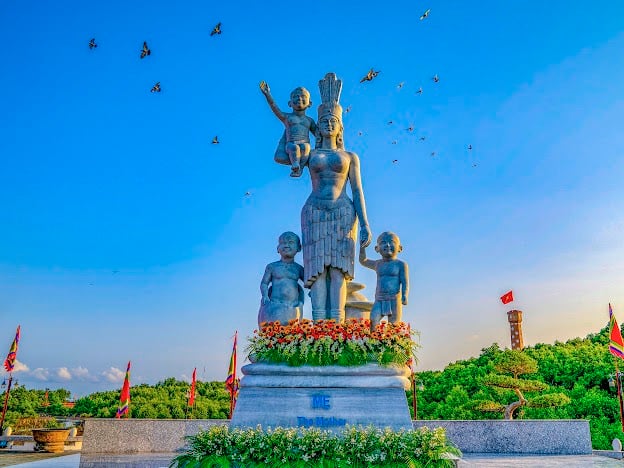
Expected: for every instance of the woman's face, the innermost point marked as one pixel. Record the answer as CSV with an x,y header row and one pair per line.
x,y
329,126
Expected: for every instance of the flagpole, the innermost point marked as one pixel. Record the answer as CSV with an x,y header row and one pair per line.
x,y
619,390
6,402
414,401
230,382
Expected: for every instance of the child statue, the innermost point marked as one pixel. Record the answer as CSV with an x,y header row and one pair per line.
x,y
283,299
392,279
294,146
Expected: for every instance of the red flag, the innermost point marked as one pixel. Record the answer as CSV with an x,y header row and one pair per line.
x,y
191,400
9,362
124,398
507,297
616,344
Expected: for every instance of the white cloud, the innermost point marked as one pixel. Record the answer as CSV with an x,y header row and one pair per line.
x,y
41,374
20,367
63,373
114,375
82,373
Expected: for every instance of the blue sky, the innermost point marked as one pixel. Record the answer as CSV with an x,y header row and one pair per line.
x,y
126,234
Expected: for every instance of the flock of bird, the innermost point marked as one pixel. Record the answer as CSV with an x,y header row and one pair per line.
x,y
146,51
372,74
369,76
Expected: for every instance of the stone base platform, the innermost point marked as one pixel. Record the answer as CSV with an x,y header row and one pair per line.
x,y
131,436
518,436
131,442
328,397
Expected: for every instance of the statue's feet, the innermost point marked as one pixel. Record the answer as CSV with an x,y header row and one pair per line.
x,y
295,172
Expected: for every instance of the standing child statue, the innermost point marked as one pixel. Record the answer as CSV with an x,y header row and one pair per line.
x,y
294,146
283,299
392,279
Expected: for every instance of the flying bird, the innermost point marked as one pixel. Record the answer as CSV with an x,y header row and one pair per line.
x,y
394,161
425,14
92,44
433,153
145,51
156,88
410,128
216,29
422,138
360,133
247,194
419,91
215,140
390,122
469,147
348,109
400,85
370,75
435,78
394,142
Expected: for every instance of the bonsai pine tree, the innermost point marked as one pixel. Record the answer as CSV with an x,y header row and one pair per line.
x,y
510,365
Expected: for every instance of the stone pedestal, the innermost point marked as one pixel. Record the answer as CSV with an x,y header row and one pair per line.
x,y
329,397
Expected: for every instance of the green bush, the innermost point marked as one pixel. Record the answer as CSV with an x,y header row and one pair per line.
x,y
315,448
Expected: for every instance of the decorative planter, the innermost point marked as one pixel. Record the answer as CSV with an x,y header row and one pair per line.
x,y
50,440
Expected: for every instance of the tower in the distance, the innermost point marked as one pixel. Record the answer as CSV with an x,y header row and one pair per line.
x,y
515,325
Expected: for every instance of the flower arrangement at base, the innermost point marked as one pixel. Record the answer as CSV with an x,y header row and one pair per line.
x,y
324,343
316,448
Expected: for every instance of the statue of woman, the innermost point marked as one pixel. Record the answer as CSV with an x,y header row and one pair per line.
x,y
328,216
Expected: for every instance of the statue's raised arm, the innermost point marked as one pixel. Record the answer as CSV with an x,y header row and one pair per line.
x,y
294,147
264,87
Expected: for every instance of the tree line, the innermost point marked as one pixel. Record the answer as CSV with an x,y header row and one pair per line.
x,y
164,400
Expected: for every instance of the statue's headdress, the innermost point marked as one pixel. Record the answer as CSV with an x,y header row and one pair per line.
x,y
330,88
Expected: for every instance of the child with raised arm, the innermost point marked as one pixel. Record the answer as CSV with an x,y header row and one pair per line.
x,y
392,279
294,146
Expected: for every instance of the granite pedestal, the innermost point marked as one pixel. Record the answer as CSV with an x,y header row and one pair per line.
x,y
328,397
520,436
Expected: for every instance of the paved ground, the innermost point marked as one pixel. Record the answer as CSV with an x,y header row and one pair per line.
x,y
537,461
39,460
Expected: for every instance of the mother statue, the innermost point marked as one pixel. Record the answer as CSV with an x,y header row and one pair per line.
x,y
328,216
